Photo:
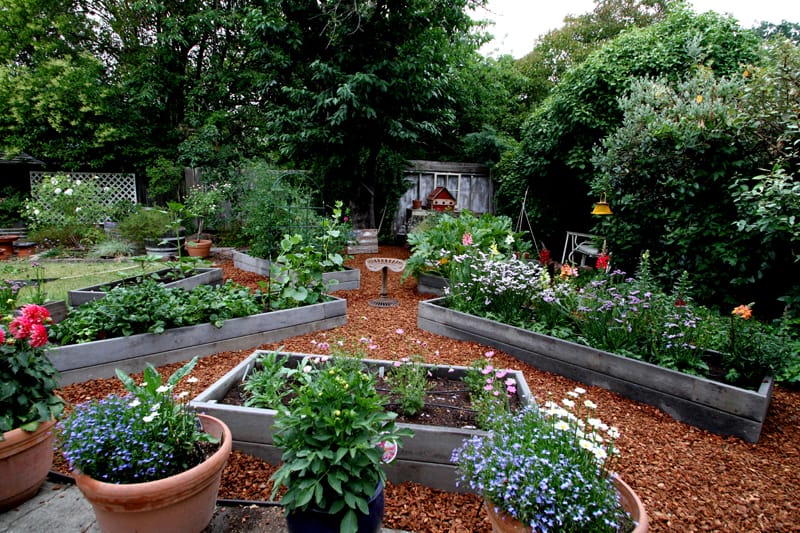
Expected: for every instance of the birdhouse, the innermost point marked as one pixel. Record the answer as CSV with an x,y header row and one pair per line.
x,y
440,199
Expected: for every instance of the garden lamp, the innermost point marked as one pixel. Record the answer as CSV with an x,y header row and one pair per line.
x,y
602,207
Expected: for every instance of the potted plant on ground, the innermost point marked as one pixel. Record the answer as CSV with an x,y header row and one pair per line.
x,y
550,468
332,436
146,461
28,405
203,201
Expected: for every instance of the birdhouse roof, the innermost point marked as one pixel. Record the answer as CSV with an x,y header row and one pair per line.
x,y
440,193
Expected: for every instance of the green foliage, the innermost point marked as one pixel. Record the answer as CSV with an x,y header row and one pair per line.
x,y
330,436
12,203
441,237
147,435
149,307
265,387
408,380
144,223
296,274
277,203
205,201
111,248
555,156
489,393
27,377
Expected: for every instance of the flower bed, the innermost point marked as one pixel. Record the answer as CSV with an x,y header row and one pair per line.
x,y
98,359
347,279
711,405
201,276
424,458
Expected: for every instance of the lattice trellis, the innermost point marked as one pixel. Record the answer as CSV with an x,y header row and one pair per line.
x,y
115,186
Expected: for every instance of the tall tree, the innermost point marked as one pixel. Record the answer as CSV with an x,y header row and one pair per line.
x,y
369,79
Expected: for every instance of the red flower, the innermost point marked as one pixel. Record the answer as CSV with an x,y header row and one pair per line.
x,y
20,327
544,256
38,336
602,262
2,336
37,314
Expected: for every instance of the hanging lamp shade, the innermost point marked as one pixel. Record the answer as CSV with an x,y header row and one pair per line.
x,y
602,207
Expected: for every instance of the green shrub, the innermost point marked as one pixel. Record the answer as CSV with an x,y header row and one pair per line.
x,y
144,223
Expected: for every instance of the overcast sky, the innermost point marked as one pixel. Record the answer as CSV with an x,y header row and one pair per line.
x,y
519,22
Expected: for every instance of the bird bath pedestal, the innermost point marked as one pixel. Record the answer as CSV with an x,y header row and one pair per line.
x,y
384,264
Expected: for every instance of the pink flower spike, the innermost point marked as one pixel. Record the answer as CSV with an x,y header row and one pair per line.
x,y
487,370
496,393
510,382
489,354
511,390
397,363
488,387
500,374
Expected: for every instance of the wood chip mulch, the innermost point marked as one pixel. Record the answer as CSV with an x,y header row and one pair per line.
x,y
689,479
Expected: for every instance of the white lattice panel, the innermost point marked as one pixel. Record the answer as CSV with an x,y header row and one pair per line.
x,y
115,186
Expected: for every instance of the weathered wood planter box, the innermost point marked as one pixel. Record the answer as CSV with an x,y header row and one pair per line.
x,y
347,279
431,284
424,459
711,405
202,276
98,359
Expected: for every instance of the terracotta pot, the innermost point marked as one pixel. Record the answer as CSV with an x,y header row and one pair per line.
x,y
416,204
184,502
25,460
504,523
201,248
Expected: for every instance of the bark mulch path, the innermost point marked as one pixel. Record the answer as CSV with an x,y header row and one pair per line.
x,y
689,479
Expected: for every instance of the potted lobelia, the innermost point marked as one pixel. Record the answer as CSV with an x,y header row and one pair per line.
x,y
334,435
146,461
28,405
550,469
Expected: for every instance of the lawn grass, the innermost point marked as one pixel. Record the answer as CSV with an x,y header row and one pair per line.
x,y
64,275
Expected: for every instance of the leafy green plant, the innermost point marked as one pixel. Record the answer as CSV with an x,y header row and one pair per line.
x,y
204,201
9,292
331,437
436,242
144,223
408,380
548,467
27,377
296,274
149,434
265,387
149,307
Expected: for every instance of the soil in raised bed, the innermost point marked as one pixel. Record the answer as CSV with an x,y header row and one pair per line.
x,y
447,403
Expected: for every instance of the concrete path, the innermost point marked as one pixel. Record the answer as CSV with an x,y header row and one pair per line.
x,y
60,507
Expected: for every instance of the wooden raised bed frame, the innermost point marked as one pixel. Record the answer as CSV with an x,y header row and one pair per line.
x,y
711,405
347,280
98,359
424,458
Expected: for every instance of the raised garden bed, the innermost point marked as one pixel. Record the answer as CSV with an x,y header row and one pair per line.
x,y
431,284
201,276
711,405
347,280
98,359
424,459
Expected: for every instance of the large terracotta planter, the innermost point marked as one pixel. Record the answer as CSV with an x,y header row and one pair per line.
x,y
181,503
25,460
504,523
201,248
